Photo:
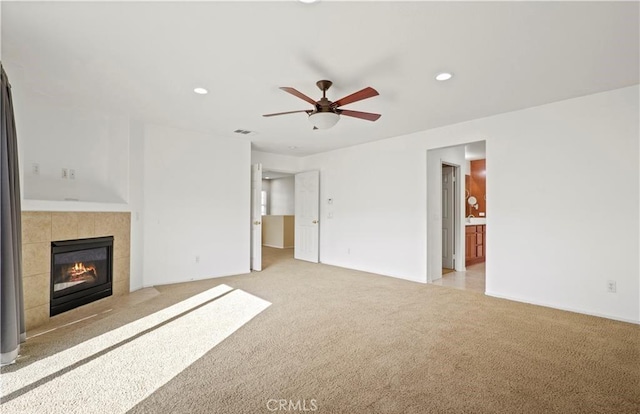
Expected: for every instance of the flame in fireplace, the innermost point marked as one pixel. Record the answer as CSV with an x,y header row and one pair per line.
x,y
81,271
75,274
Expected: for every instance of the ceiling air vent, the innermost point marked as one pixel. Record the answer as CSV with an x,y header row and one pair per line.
x,y
244,132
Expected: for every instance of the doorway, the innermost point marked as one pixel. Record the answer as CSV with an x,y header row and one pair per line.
x,y
469,216
275,203
449,184
285,216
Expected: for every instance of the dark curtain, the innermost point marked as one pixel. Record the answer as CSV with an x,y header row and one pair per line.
x,y
12,330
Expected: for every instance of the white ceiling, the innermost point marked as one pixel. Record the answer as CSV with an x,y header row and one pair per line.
x,y
143,60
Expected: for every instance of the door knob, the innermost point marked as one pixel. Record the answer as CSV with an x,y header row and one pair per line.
x,y
256,222
315,221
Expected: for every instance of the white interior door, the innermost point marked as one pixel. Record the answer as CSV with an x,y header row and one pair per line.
x,y
448,214
307,199
256,217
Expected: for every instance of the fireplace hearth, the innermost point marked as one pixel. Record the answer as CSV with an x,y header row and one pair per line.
x,y
81,272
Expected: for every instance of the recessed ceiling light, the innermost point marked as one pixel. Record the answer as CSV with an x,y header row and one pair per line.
x,y
307,1
293,147
266,178
201,91
444,76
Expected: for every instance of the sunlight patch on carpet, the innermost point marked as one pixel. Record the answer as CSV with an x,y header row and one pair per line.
x,y
118,380
13,381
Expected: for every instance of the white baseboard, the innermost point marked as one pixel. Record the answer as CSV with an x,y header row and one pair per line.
x,y
564,308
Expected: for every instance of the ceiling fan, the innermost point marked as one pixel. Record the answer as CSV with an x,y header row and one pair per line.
x,y
326,113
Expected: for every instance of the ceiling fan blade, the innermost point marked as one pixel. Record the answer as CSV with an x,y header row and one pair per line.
x,y
362,115
365,93
285,113
299,94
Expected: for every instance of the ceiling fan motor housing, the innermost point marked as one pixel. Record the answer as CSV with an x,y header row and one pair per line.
x,y
330,111
325,105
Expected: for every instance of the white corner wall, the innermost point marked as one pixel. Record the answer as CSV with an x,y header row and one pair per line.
x,y
196,203
563,191
136,204
188,193
55,136
282,196
564,196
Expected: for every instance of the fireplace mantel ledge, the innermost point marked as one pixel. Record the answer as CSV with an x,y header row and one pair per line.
x,y
53,205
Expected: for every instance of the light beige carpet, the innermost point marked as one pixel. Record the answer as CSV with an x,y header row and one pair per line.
x,y
360,343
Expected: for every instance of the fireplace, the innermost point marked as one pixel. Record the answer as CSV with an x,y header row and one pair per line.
x,y
81,272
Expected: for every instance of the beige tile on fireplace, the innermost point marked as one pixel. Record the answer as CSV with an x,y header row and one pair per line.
x,y
121,270
40,228
122,224
121,245
36,316
86,225
36,226
105,224
36,258
64,226
120,288
36,290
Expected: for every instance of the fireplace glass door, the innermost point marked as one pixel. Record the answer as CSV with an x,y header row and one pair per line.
x,y
81,272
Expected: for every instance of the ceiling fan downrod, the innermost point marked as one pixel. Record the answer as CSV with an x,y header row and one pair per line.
x,y
324,86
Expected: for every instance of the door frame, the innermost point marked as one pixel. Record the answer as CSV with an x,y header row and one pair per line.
x,y
433,252
292,173
297,254
434,161
255,232
455,213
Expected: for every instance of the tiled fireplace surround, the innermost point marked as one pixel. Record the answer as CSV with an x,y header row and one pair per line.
x,y
40,228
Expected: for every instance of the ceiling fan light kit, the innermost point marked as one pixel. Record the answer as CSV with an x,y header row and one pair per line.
x,y
326,113
324,120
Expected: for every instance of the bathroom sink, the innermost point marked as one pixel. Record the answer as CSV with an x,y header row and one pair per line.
x,y
471,221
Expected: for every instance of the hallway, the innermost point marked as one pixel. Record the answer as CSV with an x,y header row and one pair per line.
x,y
472,279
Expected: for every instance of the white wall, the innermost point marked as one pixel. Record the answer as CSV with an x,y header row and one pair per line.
x,y
118,158
96,145
188,193
196,203
55,136
136,203
563,191
379,208
276,162
266,186
282,196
